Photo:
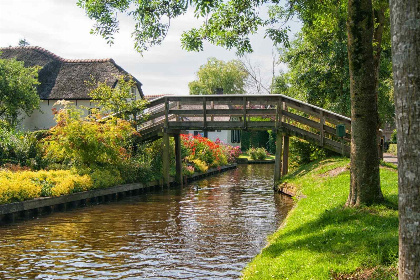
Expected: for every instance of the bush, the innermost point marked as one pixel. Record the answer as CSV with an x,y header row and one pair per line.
x,y
87,142
137,169
258,153
302,152
394,136
24,185
188,170
200,165
392,149
251,139
20,148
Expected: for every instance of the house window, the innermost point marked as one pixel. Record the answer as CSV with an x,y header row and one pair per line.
x,y
201,133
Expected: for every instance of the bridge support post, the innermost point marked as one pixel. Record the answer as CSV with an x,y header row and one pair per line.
x,y
165,159
277,165
285,154
178,159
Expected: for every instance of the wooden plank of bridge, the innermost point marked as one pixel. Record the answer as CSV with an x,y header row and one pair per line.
x,y
321,128
165,159
165,148
204,114
285,154
277,165
178,159
244,116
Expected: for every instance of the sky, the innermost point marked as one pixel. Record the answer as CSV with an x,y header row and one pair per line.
x,y
61,27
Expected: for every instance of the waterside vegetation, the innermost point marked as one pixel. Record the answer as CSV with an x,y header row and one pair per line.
x,y
85,153
322,239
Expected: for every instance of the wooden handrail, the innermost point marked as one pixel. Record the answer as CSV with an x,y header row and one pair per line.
x,y
190,112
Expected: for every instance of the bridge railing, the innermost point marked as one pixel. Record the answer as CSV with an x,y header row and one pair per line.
x,y
249,112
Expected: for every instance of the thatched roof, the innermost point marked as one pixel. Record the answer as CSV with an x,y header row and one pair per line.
x,y
65,78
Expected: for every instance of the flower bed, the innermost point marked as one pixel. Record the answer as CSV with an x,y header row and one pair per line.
x,y
199,153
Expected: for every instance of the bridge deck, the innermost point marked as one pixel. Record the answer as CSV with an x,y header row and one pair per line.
x,y
247,112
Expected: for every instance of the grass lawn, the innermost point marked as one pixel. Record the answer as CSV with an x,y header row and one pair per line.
x,y
320,239
245,155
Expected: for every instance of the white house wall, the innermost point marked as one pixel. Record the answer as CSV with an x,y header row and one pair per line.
x,y
44,118
223,135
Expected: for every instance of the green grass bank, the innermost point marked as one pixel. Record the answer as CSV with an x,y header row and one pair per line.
x,y
321,239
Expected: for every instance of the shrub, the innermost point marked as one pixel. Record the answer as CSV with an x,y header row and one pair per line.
x,y
188,170
24,185
105,178
302,152
258,153
392,149
137,169
200,165
394,136
20,148
87,142
251,139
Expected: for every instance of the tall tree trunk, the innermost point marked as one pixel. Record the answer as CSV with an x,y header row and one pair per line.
x,y
379,15
405,34
364,168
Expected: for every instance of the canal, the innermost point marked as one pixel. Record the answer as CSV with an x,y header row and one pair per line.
x,y
210,229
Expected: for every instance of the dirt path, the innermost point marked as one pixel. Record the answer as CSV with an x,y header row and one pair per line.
x,y
390,158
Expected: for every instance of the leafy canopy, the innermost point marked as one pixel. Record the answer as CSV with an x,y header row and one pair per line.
x,y
217,74
318,62
225,23
18,92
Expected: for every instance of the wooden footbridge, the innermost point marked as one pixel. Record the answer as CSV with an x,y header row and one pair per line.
x,y
170,115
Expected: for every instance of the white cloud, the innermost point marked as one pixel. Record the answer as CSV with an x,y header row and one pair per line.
x,y
63,28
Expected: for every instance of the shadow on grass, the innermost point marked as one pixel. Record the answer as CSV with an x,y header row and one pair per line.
x,y
306,168
368,233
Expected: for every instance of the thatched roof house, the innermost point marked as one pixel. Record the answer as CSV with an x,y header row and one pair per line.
x,y
65,78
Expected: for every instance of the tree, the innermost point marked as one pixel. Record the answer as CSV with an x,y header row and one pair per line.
x,y
18,93
23,43
225,23
217,74
364,175
229,24
405,18
119,100
317,60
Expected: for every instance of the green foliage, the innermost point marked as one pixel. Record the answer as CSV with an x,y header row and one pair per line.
x,y
225,23
257,153
392,149
303,152
23,42
86,142
20,148
18,92
394,136
271,142
321,239
217,74
318,62
254,139
120,101
104,177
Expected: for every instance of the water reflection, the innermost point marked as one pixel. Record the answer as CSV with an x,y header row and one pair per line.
x,y
209,229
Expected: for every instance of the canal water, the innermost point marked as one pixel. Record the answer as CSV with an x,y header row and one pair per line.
x,y
210,229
